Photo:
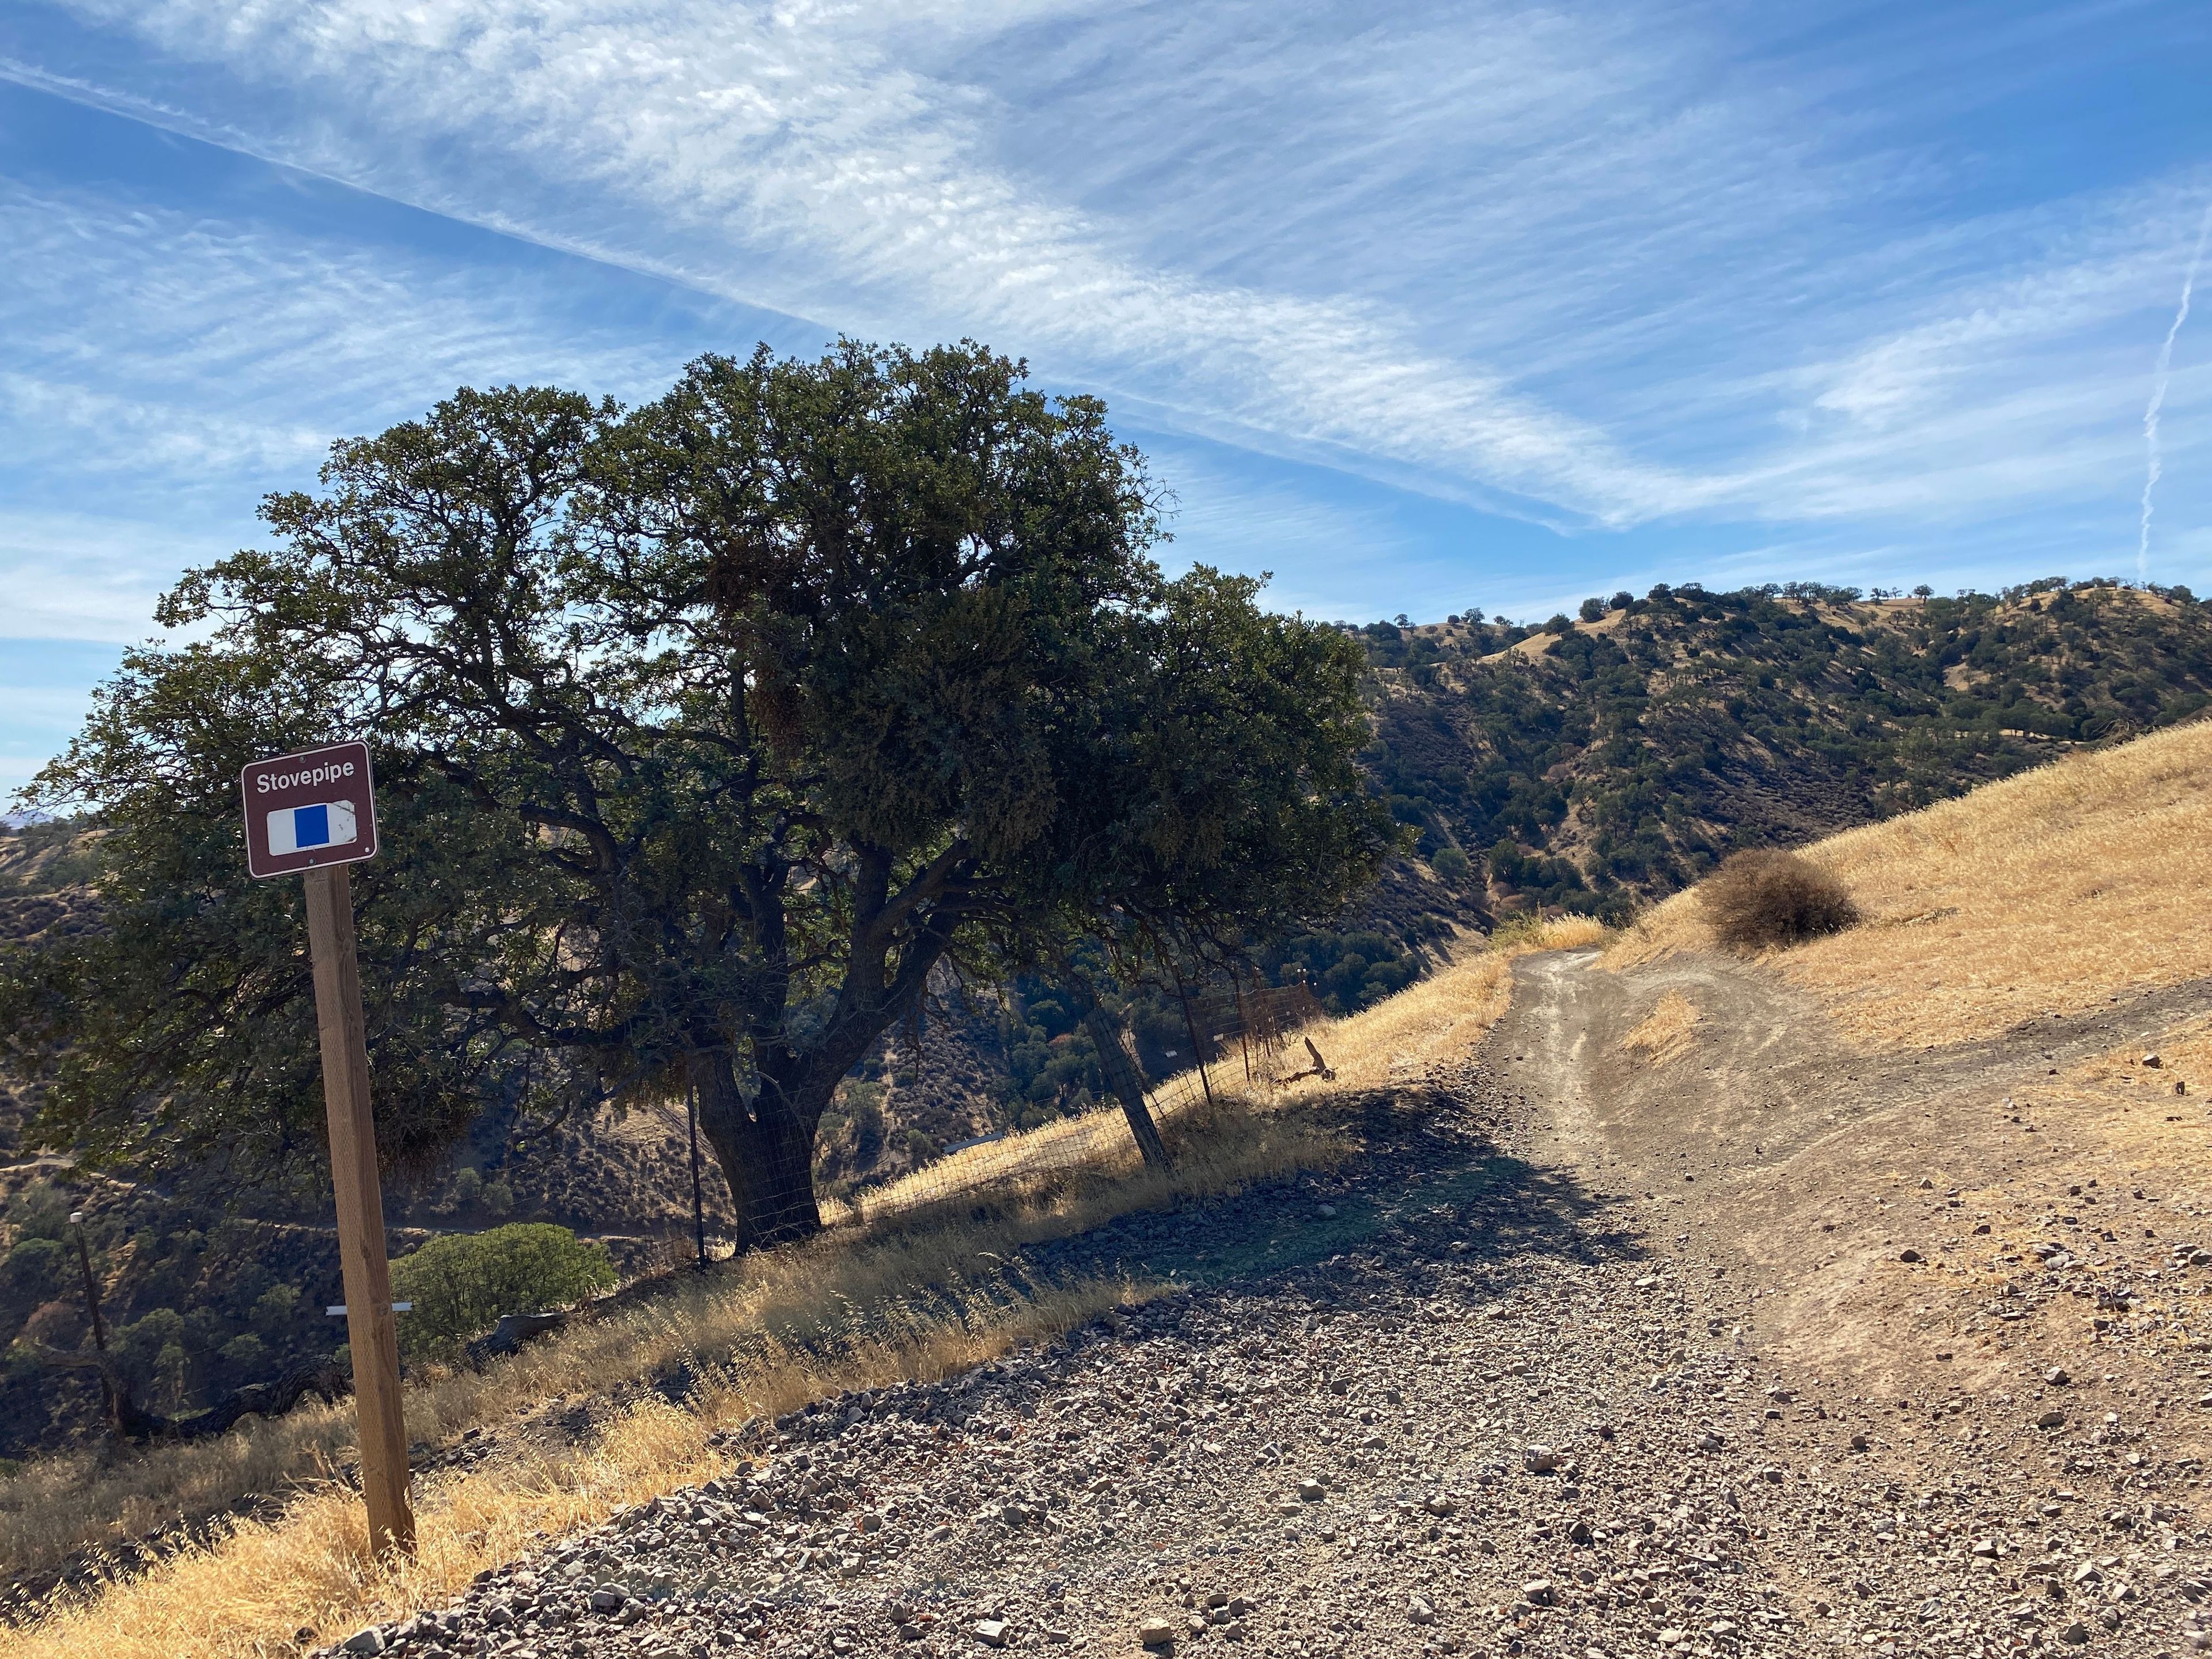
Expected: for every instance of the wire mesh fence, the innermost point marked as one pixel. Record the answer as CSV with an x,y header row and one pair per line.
x,y
1250,1027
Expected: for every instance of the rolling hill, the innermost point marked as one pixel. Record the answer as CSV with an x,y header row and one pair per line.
x,y
1596,764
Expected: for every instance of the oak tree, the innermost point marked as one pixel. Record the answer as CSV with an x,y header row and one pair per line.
x,y
706,732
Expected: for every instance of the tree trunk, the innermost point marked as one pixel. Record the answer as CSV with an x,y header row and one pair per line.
x,y
1127,1082
783,1205
766,1149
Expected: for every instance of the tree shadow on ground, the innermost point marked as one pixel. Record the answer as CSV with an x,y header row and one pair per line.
x,y
1426,1185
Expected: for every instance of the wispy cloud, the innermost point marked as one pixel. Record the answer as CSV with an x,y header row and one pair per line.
x,y
123,318
163,370
1616,266
763,153
86,575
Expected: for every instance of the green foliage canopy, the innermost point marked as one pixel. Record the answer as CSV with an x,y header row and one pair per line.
x,y
705,733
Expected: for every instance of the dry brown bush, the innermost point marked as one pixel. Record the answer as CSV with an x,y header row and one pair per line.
x,y
1763,898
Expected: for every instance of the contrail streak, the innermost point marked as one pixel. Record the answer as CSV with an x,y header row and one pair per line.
x,y
2152,461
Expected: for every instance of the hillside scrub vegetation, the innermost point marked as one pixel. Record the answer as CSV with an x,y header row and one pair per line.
x,y
461,1284
2043,894
1654,705
706,734
196,1301
1607,763
1462,713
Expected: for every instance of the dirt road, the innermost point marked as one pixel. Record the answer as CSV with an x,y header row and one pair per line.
x,y
1805,1168
1590,1350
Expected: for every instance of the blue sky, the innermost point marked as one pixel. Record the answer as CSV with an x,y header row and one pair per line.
x,y
1418,307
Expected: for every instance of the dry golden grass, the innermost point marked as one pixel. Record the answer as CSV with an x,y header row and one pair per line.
x,y
1538,645
76,1500
918,1296
1098,1141
1395,1038
2184,1057
2044,893
1388,1042
1667,1032
2141,1127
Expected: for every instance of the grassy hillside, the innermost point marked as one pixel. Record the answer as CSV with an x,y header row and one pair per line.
x,y
1597,764
1962,1142
2045,894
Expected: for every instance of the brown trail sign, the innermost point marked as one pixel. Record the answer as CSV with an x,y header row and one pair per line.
x,y
314,813
309,811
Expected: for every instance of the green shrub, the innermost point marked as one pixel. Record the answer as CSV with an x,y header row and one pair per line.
x,y
276,1308
34,1268
867,1115
1761,898
1451,865
461,1284
41,1211
147,1339
154,1357
172,1375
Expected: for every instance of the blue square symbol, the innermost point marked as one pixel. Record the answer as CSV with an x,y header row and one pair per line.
x,y
311,826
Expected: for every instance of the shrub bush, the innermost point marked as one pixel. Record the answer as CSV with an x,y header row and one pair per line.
x,y
1762,898
34,1268
277,1311
465,1189
461,1284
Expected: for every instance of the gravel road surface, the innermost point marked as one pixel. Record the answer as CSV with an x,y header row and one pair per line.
x,y
1455,1397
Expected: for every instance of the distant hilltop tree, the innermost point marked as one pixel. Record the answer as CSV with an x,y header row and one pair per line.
x,y
705,732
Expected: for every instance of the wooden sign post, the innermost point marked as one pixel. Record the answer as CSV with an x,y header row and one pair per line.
x,y
314,814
